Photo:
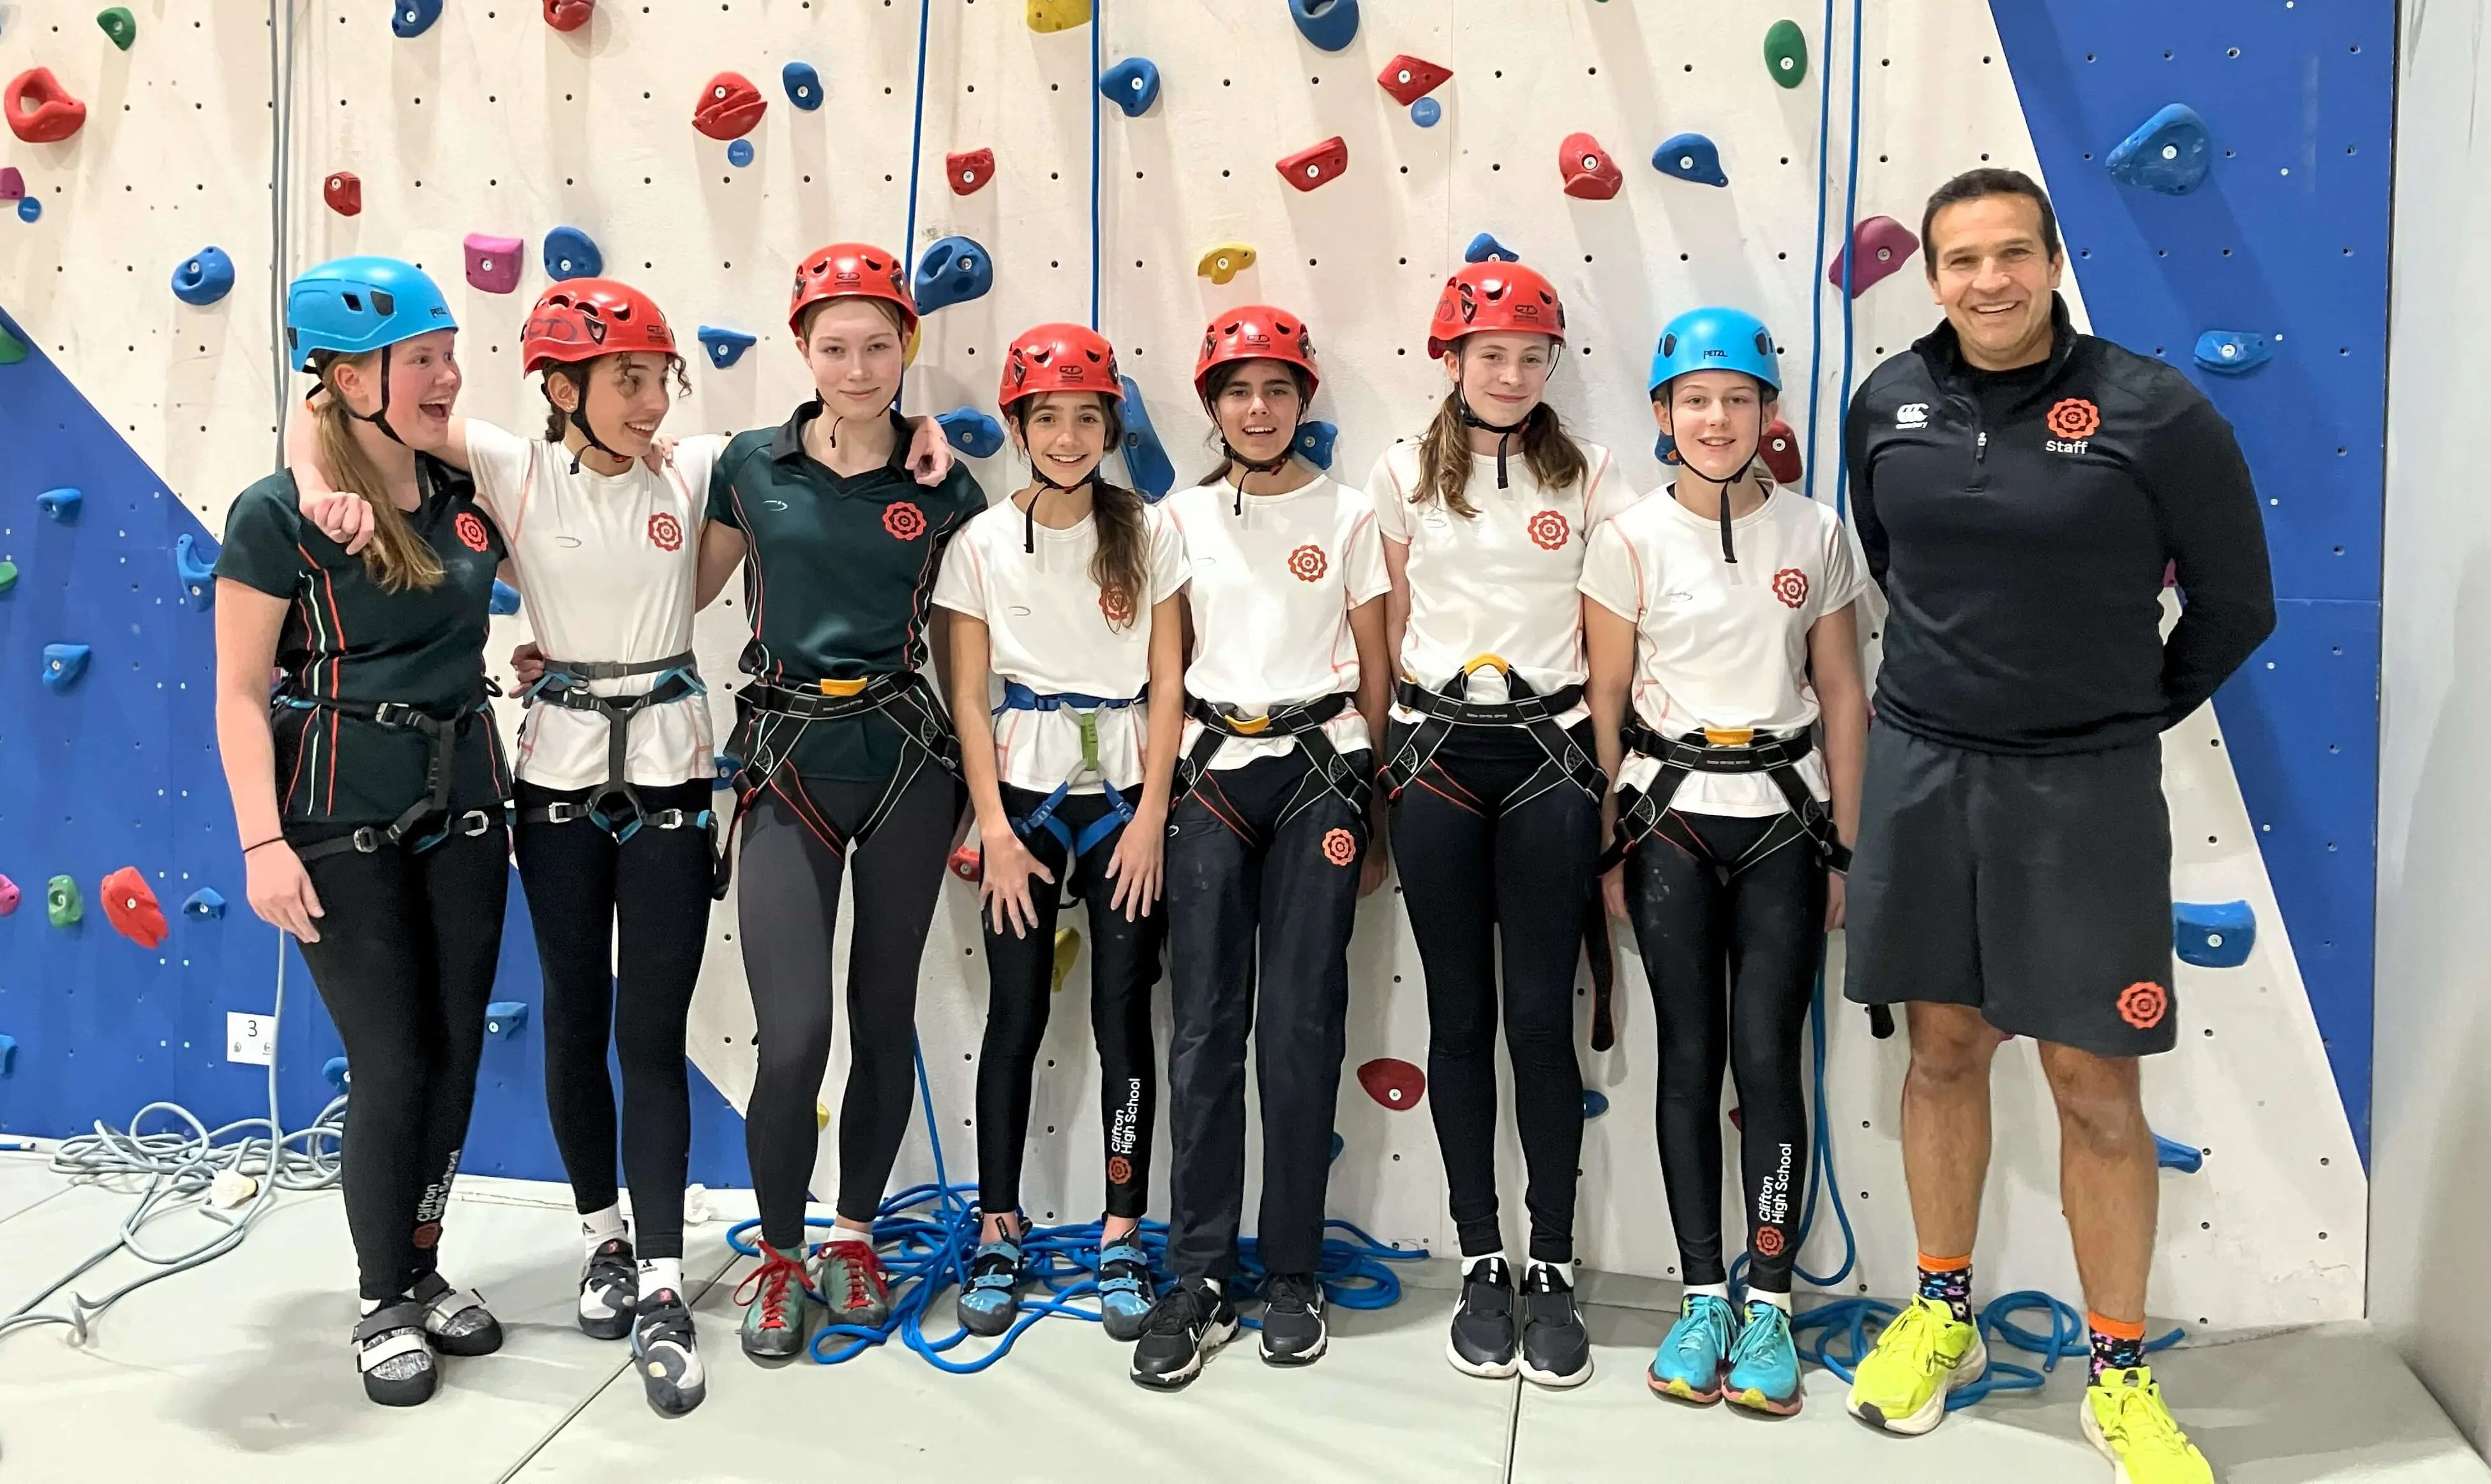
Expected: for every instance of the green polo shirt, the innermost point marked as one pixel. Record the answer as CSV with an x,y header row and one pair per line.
x,y
839,575
345,638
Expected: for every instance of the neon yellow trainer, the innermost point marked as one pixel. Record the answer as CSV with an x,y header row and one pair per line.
x,y
2125,1418
1922,1356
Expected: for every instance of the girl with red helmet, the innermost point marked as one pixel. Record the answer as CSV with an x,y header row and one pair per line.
x,y
1495,793
1067,594
1269,844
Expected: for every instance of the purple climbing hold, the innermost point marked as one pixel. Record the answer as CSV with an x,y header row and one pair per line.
x,y
493,262
12,185
1883,247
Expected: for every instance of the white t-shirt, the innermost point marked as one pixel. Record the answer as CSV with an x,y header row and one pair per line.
x,y
1502,582
1721,645
1271,590
1047,627
609,571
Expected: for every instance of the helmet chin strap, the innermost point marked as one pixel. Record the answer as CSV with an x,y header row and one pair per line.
x,y
577,417
378,418
1503,433
1029,516
1721,497
1251,466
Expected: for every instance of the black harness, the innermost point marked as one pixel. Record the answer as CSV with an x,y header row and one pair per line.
x,y
1444,709
771,719
442,734
565,684
1642,812
1326,772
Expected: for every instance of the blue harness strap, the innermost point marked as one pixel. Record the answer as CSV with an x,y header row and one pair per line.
x,y
1018,697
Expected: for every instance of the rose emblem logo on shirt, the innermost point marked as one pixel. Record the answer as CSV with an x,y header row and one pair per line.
x,y
2142,1005
2075,418
1308,564
1118,607
1548,529
1339,847
665,532
471,531
904,521
1790,585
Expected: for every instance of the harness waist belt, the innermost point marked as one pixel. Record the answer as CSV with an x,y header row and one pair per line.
x,y
1450,707
1640,811
1303,726
442,734
565,684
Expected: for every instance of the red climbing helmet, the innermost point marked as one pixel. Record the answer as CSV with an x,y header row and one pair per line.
x,y
1255,332
581,319
851,271
1058,358
1493,295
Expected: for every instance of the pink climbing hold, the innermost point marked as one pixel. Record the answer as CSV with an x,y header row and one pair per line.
x,y
133,908
1590,175
8,897
1884,246
569,15
12,186
41,111
493,262
345,193
1410,78
969,170
729,108
1394,1083
1780,453
1310,167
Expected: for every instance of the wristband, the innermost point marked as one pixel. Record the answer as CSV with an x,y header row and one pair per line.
x,y
275,839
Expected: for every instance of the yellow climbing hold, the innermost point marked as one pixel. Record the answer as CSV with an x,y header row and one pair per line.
x,y
1067,947
1057,15
821,1117
1225,262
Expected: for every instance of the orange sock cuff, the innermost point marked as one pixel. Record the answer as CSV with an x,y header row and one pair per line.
x,y
1946,1263
2117,1330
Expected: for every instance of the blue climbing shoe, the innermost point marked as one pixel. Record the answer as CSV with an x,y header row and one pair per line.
x,y
1689,1362
991,1302
1125,1291
1764,1366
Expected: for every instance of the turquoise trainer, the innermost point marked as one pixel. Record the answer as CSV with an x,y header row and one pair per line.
x,y
1689,1362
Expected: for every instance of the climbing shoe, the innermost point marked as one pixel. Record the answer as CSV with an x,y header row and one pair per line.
x,y
778,1308
1185,1329
991,1300
1922,1358
665,1355
1556,1350
1484,1340
1763,1363
848,1275
1292,1319
2126,1420
395,1354
609,1287
1690,1360
1125,1291
455,1317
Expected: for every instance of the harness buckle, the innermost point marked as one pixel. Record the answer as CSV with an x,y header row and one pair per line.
x,y
1250,726
367,841
1481,662
393,713
842,688
563,811
1729,737
473,823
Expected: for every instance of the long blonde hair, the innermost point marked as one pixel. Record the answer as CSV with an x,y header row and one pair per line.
x,y
398,559
1444,456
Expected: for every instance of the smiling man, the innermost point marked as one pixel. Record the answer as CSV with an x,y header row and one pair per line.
x,y
2020,490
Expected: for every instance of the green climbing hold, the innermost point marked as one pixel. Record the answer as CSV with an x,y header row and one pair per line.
x,y
8,575
11,349
1786,53
61,900
119,24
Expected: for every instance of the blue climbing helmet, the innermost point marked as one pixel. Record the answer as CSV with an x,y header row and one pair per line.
x,y
1715,339
360,304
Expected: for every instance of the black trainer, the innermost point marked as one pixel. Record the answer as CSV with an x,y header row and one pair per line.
x,y
609,1287
1483,1342
1292,1319
1556,1351
1187,1327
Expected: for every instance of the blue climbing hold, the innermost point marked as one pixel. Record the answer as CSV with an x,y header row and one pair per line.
x,y
1666,449
2232,351
571,254
1690,157
9,1059
1427,113
725,346
413,17
204,277
506,1018
1337,1145
725,765
30,209
2213,935
972,432
205,905
505,598
1314,442
1132,85
2172,1155
1485,249
334,1072
198,573
804,85
60,504
63,664
2170,153
1330,25
953,271
740,152
1146,460
1595,1103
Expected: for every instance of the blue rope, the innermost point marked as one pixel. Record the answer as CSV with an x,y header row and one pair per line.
x,y
1816,275
1849,265
1097,23
915,164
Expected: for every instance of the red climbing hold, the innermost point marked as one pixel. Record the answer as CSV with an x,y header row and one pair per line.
x,y
1310,167
1393,1083
969,170
1590,175
133,908
41,111
345,193
1781,453
730,105
569,15
1884,246
1410,78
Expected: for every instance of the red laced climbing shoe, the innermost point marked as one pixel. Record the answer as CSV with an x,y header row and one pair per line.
x,y
854,1284
778,1308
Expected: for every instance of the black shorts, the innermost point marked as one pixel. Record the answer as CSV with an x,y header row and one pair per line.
x,y
2037,890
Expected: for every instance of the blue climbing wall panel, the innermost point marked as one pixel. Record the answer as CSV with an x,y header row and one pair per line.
x,y
2287,237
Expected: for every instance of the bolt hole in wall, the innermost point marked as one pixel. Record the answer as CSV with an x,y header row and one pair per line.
x,y
457,132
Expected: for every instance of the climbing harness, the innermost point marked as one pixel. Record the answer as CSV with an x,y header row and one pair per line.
x,y
565,684
1085,710
442,734
772,718
1326,772
1645,812
1447,709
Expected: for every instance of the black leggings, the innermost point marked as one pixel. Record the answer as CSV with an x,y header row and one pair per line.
x,y
1020,972
790,864
620,931
1472,870
1732,960
405,965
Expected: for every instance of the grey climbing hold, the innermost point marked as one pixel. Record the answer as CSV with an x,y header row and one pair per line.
x,y
204,277
505,600
740,152
571,253
2232,351
60,504
506,1018
198,572
205,905
1426,112
725,346
63,664
1132,85
1146,460
1314,442
413,17
953,271
804,85
1485,249
1330,24
972,432
2170,152
1690,157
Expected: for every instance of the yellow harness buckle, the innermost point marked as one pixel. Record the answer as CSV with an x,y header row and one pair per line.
x,y
1487,662
831,687
1248,726
1729,737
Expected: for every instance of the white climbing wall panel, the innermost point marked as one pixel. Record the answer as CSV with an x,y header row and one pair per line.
x,y
492,123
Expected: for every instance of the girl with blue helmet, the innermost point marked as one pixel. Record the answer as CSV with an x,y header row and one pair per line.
x,y
369,788
1720,633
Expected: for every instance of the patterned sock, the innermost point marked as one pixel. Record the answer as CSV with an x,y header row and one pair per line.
x,y
1948,1280
2118,1344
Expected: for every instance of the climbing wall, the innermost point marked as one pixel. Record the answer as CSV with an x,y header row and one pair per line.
x,y
487,125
